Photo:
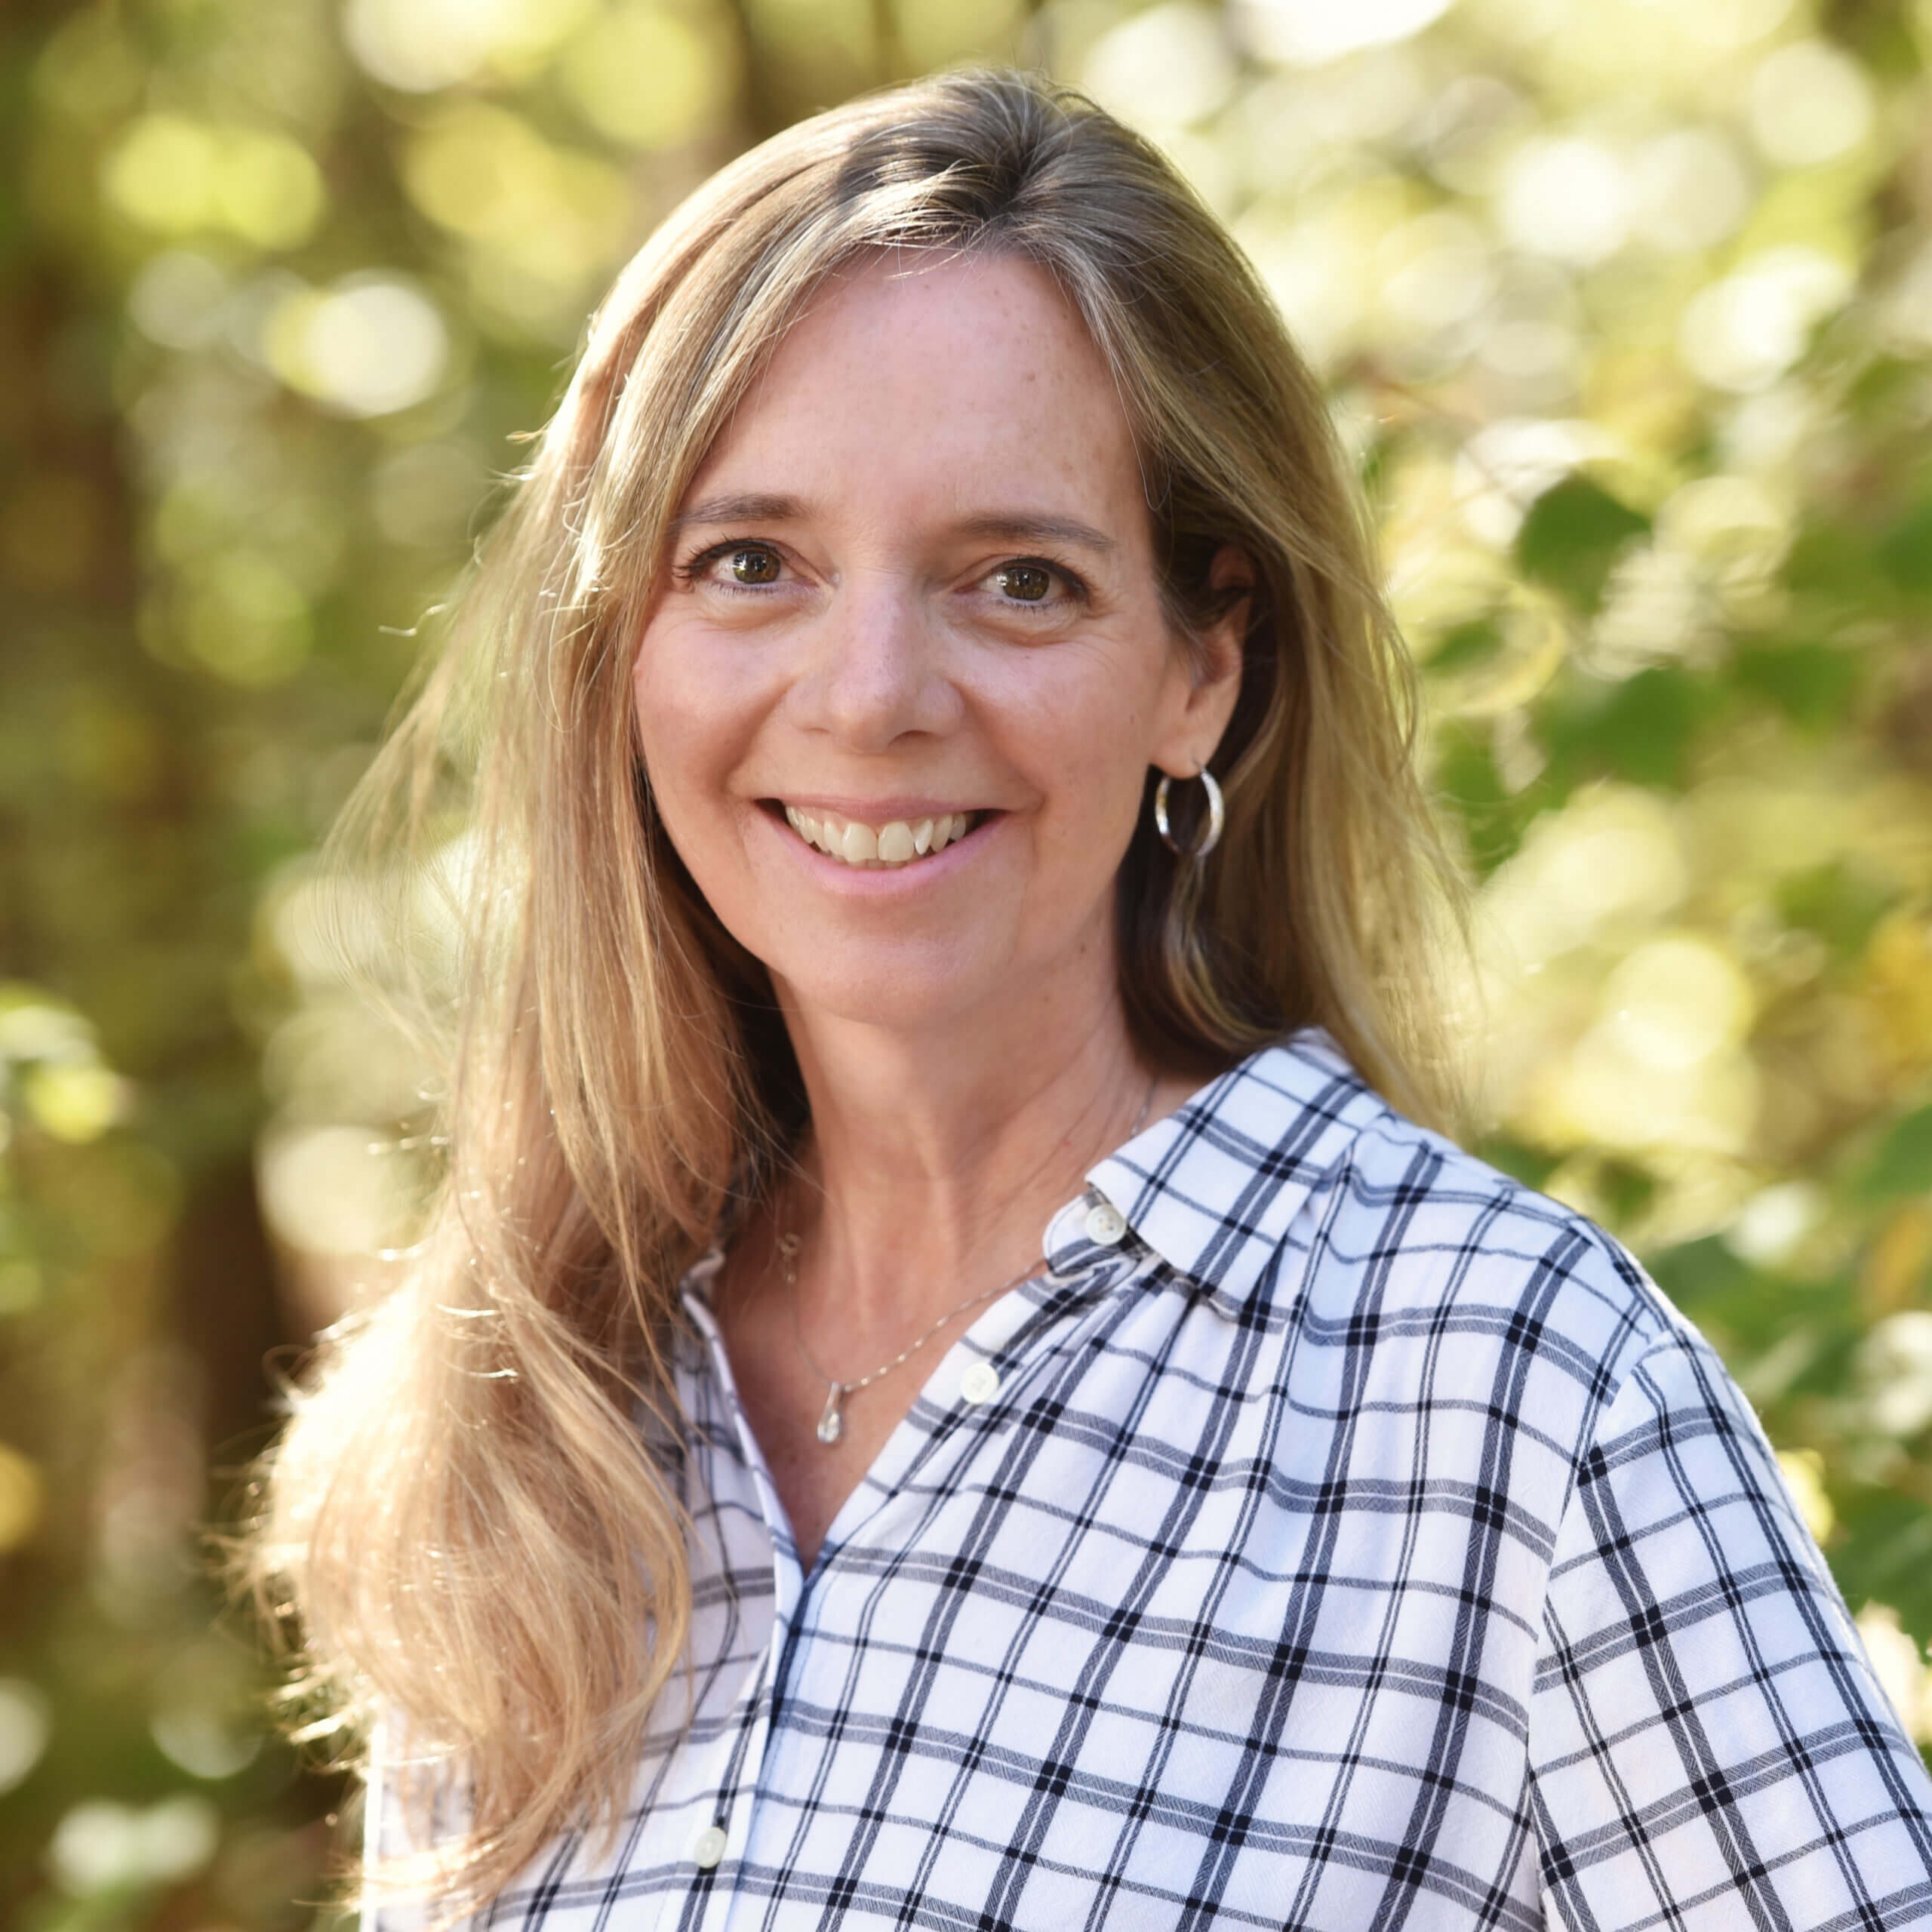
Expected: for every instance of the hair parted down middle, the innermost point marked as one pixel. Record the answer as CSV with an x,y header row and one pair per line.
x,y
465,1522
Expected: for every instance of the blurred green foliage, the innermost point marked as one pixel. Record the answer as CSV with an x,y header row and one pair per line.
x,y
1627,311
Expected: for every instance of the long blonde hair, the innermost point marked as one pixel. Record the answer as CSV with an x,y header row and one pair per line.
x,y
466,1521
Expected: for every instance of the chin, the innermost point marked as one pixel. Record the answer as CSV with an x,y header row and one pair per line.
x,y
903,989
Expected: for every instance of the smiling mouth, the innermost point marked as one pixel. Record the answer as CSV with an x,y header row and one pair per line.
x,y
888,847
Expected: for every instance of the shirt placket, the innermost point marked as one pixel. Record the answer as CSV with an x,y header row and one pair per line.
x,y
718,1848
1084,1253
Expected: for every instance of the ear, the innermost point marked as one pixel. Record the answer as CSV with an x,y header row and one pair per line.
x,y
1213,657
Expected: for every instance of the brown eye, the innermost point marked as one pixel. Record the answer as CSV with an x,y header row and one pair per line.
x,y
754,566
1025,583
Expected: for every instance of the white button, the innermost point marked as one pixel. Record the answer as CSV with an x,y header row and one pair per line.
x,y
1105,1226
980,1383
709,1848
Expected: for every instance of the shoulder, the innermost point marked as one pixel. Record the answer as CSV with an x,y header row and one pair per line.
x,y
1509,1327
1434,1238
1296,1198
1418,1222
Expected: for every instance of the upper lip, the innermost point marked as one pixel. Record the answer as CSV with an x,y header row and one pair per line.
x,y
874,811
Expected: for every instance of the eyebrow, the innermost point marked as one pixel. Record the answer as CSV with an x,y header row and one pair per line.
x,y
1021,529
751,509
1012,526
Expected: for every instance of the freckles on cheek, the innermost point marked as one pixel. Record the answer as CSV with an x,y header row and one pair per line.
x,y
655,668
697,725
660,720
672,744
668,691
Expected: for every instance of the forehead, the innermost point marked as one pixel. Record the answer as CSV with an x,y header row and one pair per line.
x,y
930,383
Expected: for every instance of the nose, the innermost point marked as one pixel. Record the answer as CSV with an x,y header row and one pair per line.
x,y
877,673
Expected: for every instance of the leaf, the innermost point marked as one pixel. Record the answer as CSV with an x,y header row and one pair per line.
x,y
1465,779
1901,1162
1885,1551
1839,905
1832,564
1643,730
1704,1271
1466,646
1571,536
1812,684
1626,1191
1905,552
1532,1166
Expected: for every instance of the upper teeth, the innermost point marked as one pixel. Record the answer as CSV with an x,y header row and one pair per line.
x,y
897,843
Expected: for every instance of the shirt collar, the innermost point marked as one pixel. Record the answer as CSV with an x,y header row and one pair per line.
x,y
1213,1188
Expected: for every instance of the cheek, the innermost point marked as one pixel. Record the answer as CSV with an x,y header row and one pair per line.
x,y
687,759
690,719
1094,737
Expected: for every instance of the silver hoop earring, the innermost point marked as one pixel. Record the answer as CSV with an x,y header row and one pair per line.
x,y
1215,818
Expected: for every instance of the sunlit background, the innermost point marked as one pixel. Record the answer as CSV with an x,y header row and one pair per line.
x,y
1626,307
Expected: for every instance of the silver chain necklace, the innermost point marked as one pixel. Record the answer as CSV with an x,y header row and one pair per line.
x,y
831,1421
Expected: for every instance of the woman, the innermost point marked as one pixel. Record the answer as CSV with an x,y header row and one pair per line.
x,y
944,771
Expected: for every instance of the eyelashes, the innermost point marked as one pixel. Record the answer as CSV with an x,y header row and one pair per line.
x,y
761,555
694,569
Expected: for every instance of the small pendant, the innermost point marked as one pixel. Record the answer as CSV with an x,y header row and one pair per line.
x,y
832,1424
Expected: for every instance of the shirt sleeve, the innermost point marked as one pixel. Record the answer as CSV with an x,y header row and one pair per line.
x,y
1709,1746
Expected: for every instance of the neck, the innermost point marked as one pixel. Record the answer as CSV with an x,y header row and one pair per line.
x,y
936,1158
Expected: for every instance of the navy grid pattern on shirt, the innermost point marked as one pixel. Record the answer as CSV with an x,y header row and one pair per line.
x,y
1360,1541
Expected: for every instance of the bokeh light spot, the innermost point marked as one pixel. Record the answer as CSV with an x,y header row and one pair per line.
x,y
268,189
88,70
1900,1666
329,1190
74,1101
1566,197
100,1846
1804,1473
1676,1001
369,346
177,300
1744,332
174,176
1165,68
1895,1361
1609,1096
1810,103
1727,23
1610,856
1435,271
1306,33
543,219
202,1741
1768,1229
648,76
419,46
22,1498
27,1723
247,620
161,173
1503,468
33,1029
1731,525
1691,190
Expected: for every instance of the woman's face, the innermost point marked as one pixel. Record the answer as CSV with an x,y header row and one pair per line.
x,y
913,617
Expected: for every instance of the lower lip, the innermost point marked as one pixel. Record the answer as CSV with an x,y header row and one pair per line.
x,y
866,882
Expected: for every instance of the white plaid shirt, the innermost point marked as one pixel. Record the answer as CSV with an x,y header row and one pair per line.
x,y
1357,1540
